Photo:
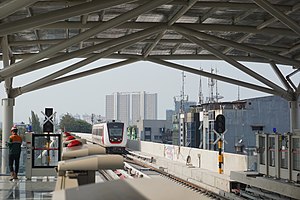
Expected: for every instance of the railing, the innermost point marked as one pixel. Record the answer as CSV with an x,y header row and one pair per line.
x,y
279,155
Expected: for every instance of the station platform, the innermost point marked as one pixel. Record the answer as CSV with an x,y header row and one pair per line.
x,y
43,188
36,188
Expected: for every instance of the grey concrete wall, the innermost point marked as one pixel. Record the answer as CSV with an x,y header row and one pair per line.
x,y
200,158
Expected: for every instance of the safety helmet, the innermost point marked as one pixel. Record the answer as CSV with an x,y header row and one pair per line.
x,y
13,128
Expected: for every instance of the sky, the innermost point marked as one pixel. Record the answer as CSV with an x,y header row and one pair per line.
x,y
87,95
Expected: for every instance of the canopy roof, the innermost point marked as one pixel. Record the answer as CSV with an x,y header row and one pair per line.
x,y
265,31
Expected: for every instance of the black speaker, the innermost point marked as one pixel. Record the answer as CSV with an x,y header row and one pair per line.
x,y
220,124
48,126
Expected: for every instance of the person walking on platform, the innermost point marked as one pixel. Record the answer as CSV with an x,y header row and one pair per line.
x,y
14,146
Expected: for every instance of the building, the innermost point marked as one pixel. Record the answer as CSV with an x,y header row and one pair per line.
x,y
175,129
193,136
185,106
154,130
110,107
143,106
169,115
243,119
118,107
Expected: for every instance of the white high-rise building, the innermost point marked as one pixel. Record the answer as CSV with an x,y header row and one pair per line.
x,y
142,106
118,107
110,107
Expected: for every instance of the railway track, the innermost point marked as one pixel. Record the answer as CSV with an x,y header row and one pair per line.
x,y
180,181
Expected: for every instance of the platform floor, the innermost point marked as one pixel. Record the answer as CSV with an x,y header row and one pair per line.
x,y
36,188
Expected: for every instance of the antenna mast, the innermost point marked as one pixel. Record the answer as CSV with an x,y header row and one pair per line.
x,y
211,84
200,95
217,93
182,94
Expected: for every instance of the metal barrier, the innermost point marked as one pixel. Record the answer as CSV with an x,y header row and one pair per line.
x,y
279,155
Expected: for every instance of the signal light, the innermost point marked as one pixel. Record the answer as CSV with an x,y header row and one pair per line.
x,y
48,125
220,124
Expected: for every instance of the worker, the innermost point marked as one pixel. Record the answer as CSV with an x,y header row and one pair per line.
x,y
14,145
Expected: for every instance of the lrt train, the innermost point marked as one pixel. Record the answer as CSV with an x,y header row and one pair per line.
x,y
111,136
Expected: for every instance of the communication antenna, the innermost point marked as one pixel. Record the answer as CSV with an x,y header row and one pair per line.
x,y
182,97
182,94
211,84
200,95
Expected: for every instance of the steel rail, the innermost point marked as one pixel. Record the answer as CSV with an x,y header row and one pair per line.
x,y
178,180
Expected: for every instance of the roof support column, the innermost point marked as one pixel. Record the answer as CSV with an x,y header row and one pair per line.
x,y
264,4
7,107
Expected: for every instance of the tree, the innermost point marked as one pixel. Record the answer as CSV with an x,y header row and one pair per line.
x,y
69,123
35,123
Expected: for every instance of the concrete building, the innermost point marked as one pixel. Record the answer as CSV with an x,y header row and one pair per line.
x,y
130,107
175,130
118,107
153,130
143,106
169,115
110,107
242,120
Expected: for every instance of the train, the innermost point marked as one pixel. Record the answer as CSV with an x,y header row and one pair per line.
x,y
111,136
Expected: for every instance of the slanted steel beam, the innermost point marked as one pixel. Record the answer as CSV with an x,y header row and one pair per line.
x,y
179,14
57,15
83,36
38,83
86,73
272,10
236,45
8,7
87,50
238,65
263,26
214,76
281,77
199,27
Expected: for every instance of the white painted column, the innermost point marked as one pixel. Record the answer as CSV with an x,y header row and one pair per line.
x,y
7,108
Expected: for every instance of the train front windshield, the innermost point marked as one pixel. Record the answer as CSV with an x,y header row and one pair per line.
x,y
115,131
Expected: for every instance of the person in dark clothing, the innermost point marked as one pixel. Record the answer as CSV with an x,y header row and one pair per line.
x,y
14,145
